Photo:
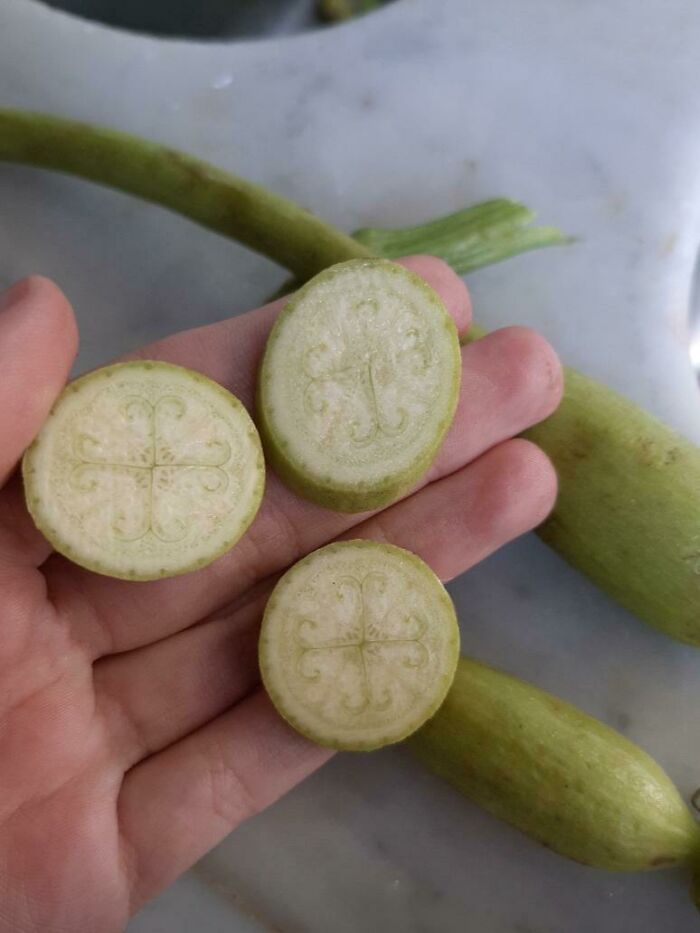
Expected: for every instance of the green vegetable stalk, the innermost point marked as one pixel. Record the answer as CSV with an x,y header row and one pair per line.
x,y
560,776
468,239
265,222
628,513
215,199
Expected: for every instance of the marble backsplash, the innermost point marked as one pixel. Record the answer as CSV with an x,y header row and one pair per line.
x,y
587,112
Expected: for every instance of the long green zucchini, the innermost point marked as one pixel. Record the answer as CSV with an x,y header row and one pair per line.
x,y
560,776
628,513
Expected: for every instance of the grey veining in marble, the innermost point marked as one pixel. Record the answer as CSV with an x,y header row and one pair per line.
x,y
588,112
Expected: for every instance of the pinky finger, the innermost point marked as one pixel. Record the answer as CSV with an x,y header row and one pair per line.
x,y
178,804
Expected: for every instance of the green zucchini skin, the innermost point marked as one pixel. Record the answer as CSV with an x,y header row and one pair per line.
x,y
628,511
566,779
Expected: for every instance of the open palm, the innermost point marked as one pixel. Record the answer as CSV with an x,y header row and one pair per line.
x,y
133,731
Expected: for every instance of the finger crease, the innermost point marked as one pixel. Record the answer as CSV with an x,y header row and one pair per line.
x,y
232,800
132,737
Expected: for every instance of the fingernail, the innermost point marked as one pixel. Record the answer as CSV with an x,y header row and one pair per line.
x,y
14,294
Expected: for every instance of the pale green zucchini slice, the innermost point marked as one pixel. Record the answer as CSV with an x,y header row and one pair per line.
x,y
359,645
144,470
358,385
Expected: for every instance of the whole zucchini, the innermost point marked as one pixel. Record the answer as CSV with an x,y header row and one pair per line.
x,y
628,511
557,774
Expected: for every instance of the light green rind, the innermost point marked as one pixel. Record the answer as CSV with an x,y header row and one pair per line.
x,y
323,487
83,552
279,660
560,776
628,511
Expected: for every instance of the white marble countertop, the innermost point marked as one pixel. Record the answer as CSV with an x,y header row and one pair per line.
x,y
587,112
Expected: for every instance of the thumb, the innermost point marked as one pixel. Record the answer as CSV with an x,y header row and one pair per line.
x,y
38,342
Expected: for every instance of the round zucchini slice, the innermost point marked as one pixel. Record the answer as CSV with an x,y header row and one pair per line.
x,y
144,470
359,645
358,385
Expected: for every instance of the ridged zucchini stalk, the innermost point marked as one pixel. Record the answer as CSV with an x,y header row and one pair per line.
x,y
557,774
628,513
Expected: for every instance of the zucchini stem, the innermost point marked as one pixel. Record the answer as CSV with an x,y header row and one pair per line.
x,y
232,206
266,222
469,239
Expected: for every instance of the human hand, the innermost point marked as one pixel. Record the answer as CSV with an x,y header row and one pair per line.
x,y
134,734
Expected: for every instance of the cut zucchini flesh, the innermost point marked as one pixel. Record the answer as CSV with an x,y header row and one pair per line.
x,y
144,470
359,645
358,385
